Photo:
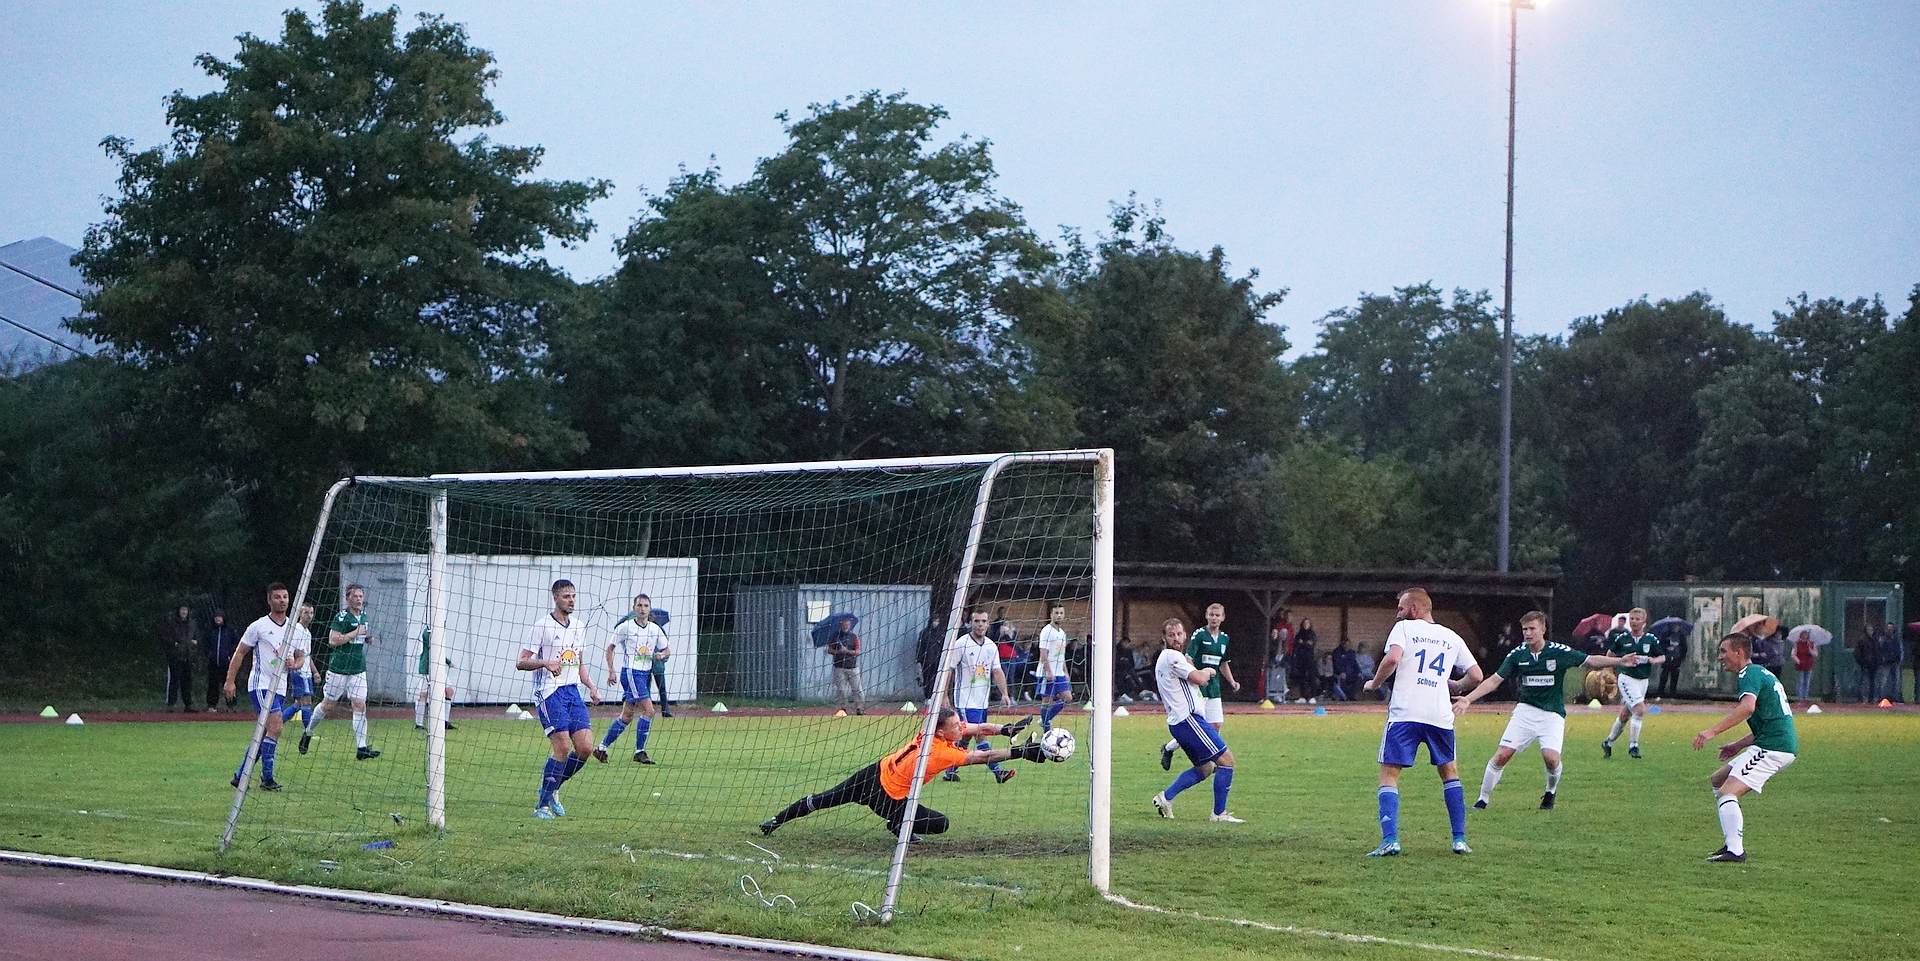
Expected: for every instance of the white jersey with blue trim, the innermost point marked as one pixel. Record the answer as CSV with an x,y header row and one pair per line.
x,y
1180,696
550,639
976,663
303,642
270,645
1430,655
635,642
1053,647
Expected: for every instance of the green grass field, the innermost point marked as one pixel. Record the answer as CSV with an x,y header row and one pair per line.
x,y
1616,871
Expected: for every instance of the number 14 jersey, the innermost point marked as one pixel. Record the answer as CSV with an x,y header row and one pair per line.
x,y
1429,655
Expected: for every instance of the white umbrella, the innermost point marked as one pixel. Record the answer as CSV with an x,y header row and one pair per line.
x,y
1820,636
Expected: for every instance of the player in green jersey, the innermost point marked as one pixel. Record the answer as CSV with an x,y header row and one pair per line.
x,y
1633,679
1208,647
1770,744
347,636
1538,670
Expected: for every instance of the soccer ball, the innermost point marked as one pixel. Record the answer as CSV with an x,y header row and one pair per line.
x,y
1057,744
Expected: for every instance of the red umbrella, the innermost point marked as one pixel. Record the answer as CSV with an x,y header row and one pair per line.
x,y
1594,624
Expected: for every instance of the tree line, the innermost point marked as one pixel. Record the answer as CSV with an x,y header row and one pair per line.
x,y
329,269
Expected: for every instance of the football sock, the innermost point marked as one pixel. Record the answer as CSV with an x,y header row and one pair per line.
x,y
1389,814
268,745
1222,783
987,745
1046,717
1186,779
1614,734
1456,807
614,730
306,714
641,725
1633,738
1733,824
1553,777
797,809
1490,780
420,712
571,767
287,713
550,780
1170,746
359,728
319,714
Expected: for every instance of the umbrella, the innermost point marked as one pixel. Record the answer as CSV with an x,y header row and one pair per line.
x,y
1593,624
830,625
659,616
1914,627
1760,625
1668,625
1820,636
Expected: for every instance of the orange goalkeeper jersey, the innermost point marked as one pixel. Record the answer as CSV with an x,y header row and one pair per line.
x,y
896,769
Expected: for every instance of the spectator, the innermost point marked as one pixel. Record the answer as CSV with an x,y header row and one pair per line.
x,y
1674,647
1279,641
929,651
1302,669
1346,670
1366,665
222,641
1890,656
1866,656
844,647
1804,656
1277,675
180,645
1766,650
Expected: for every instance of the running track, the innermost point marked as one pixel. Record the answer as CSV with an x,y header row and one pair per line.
x,y
61,914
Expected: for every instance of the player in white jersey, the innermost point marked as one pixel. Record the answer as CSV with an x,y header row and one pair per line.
x,y
630,664
270,641
1421,712
1057,687
976,673
554,652
1180,686
300,680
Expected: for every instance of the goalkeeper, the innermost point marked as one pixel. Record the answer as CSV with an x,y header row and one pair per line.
x,y
882,786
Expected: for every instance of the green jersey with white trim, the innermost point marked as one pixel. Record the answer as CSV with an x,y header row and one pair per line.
x,y
1538,678
351,657
1646,645
1772,718
1209,650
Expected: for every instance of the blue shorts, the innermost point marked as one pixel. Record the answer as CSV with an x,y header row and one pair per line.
x,y
973,715
1198,738
1400,744
279,702
633,685
299,685
563,710
1060,685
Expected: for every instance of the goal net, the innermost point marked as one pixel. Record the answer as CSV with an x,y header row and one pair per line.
x,y
751,643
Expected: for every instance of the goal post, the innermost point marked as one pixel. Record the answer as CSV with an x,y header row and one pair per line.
x,y
752,577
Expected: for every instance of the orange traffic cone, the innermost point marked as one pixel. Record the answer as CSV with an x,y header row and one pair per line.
x,y
1884,703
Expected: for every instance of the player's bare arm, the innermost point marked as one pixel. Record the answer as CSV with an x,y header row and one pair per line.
x,y
529,662
1388,664
1000,681
1201,676
1226,674
613,676
1464,701
1738,715
1467,680
1731,748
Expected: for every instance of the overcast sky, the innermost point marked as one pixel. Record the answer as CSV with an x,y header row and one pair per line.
x,y
1753,149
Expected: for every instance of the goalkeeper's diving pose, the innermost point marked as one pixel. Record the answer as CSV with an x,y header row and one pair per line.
x,y
882,786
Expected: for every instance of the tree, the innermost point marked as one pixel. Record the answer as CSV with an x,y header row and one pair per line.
x,y
849,288
1624,392
328,270
1163,355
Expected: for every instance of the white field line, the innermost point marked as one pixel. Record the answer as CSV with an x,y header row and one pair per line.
x,y
458,909
211,825
1327,935
778,862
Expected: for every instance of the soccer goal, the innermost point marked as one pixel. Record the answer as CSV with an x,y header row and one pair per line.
x,y
759,656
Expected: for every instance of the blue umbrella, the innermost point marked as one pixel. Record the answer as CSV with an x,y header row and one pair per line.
x,y
1667,625
658,615
830,625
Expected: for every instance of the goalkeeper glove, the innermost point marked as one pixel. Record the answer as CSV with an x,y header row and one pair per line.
x,y
1029,751
1009,730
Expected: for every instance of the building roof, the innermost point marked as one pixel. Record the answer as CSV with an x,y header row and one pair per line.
x,y
40,290
1347,581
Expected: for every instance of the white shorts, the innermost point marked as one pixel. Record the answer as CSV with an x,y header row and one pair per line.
x,y
353,687
1530,724
1754,766
1633,691
1211,711
417,684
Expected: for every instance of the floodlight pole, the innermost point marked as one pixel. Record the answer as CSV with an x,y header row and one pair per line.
x,y
1503,532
